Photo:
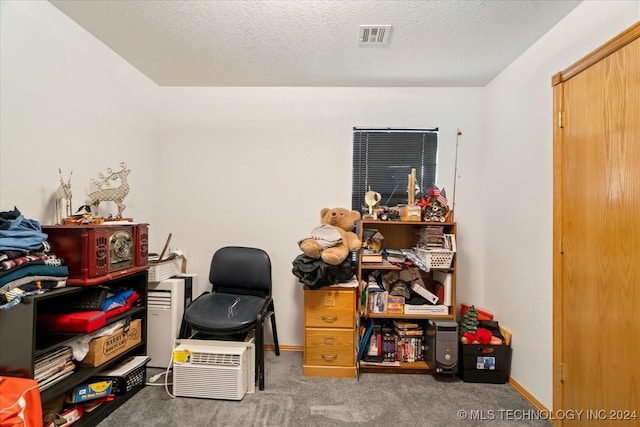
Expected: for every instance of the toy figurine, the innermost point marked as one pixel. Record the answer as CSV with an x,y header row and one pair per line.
x,y
63,192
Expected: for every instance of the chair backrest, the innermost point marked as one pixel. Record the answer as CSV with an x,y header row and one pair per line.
x,y
241,270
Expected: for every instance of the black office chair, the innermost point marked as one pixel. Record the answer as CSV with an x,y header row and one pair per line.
x,y
240,301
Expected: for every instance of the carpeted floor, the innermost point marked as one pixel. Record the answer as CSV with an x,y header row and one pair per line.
x,y
289,399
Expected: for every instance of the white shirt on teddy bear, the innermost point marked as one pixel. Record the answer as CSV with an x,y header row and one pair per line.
x,y
326,235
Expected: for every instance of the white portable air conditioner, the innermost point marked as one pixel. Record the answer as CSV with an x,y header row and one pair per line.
x,y
214,369
166,301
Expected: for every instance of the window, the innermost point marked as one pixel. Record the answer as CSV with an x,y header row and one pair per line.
x,y
383,159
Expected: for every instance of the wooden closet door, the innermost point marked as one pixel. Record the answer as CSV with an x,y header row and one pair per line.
x,y
597,232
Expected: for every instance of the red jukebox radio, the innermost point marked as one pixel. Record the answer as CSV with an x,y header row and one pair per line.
x,y
98,253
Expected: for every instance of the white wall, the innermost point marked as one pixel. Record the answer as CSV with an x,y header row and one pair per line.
x,y
254,166
69,102
519,173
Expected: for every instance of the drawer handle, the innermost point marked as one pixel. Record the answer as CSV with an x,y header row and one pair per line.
x,y
329,319
329,357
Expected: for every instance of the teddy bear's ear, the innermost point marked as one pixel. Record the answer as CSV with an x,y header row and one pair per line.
x,y
323,212
355,215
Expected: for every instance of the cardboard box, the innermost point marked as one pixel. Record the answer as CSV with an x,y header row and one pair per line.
x,y
395,304
410,213
482,313
103,349
85,392
481,363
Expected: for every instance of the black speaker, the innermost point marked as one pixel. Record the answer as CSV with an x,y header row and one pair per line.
x,y
442,346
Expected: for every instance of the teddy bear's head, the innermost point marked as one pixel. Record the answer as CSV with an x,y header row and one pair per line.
x,y
342,218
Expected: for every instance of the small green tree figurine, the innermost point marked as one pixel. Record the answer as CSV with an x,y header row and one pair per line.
x,y
469,321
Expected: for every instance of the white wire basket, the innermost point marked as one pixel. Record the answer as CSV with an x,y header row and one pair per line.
x,y
435,258
159,271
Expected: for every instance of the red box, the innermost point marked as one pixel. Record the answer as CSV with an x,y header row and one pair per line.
x,y
98,253
72,415
395,304
482,314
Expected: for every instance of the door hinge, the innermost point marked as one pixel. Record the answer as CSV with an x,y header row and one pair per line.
x,y
561,372
561,119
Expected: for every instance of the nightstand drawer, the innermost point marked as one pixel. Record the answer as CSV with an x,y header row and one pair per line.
x,y
329,309
329,347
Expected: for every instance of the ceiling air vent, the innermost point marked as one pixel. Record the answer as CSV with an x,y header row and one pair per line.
x,y
374,34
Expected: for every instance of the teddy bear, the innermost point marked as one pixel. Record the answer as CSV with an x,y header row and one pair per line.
x,y
333,239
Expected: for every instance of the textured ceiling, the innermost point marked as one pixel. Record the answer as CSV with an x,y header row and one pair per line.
x,y
315,43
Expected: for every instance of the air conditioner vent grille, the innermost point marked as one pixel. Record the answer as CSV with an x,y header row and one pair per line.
x,y
374,34
215,359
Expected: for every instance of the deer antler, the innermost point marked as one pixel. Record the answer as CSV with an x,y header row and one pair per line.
x,y
103,180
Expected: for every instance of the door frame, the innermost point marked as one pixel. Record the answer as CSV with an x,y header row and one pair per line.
x,y
557,80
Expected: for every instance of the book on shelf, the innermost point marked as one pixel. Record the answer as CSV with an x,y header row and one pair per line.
x,y
389,346
381,344
53,366
394,255
379,363
426,309
408,332
407,329
404,324
364,297
449,242
438,290
431,236
58,376
410,349
374,349
378,301
372,257
366,331
60,353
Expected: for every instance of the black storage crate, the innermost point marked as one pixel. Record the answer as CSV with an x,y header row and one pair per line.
x,y
482,363
124,384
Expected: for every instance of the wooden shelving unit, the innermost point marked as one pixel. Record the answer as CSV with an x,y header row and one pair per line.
x,y
18,328
400,235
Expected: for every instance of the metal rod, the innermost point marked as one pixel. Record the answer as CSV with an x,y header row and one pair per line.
x,y
455,176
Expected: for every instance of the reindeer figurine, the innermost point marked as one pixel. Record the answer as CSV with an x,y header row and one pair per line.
x,y
115,195
63,192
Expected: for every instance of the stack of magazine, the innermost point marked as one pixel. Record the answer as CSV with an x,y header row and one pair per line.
x,y
53,366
